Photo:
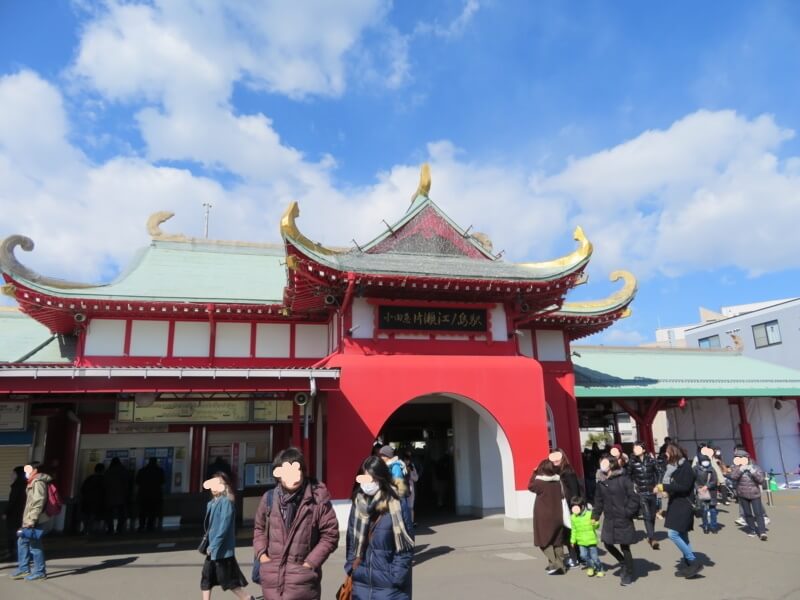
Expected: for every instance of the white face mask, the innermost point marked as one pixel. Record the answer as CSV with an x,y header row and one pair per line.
x,y
370,489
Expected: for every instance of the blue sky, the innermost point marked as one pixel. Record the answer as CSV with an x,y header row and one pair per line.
x,y
667,132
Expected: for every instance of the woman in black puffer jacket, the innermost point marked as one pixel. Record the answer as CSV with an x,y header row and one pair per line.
x,y
616,499
680,511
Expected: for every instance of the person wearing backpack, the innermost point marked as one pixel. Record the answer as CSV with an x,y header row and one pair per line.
x,y
616,499
295,532
34,518
706,484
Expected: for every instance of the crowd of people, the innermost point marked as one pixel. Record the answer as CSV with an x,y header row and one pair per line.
x,y
647,486
296,529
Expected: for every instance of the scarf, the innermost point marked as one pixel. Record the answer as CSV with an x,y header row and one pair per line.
x,y
366,508
289,502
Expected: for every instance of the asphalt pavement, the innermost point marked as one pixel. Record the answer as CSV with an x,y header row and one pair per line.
x,y
462,559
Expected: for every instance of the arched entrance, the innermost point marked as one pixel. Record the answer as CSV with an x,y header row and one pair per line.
x,y
463,457
506,392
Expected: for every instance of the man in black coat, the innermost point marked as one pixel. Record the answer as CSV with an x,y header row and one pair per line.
x,y
14,509
150,482
117,484
644,473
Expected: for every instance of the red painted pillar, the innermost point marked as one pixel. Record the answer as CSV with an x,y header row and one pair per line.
x,y
746,431
617,434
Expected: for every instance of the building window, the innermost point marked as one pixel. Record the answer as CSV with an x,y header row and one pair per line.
x,y
709,342
766,334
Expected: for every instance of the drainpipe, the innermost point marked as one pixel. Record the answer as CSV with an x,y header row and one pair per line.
x,y
75,419
212,330
348,300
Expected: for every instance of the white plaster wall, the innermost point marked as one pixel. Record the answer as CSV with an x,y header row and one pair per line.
x,y
273,340
525,343
192,338
105,337
499,325
334,330
550,345
233,340
149,338
465,459
363,318
311,341
491,467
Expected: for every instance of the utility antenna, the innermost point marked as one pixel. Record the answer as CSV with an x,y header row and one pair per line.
x,y
207,206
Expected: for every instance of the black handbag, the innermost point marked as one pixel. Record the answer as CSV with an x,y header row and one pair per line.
x,y
203,547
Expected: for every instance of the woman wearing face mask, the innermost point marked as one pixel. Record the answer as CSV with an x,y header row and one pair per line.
x,y
220,567
380,543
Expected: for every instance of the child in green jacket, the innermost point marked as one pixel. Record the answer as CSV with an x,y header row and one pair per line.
x,y
584,533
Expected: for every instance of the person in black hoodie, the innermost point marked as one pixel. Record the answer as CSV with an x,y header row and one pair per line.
x,y
679,520
14,509
617,500
642,468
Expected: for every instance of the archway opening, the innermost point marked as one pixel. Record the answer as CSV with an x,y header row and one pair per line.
x,y
461,455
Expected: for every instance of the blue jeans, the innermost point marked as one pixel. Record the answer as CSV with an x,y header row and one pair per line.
x,y
681,540
30,547
709,516
590,557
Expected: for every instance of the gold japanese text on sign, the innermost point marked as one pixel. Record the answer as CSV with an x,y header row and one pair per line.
x,y
426,318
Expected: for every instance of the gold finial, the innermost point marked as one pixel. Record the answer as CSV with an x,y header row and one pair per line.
x,y
619,298
289,230
154,222
581,254
424,187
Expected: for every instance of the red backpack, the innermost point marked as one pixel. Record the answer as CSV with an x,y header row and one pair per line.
x,y
53,505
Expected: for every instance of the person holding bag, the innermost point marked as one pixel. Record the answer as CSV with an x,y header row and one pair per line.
x,y
295,532
380,542
548,515
219,542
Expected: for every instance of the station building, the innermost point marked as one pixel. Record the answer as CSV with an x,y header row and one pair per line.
x,y
216,352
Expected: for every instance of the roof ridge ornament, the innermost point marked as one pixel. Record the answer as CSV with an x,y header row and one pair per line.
x,y
10,264
619,298
582,253
154,222
424,187
290,231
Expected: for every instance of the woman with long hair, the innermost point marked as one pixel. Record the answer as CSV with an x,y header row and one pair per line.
x,y
617,501
548,520
220,567
572,489
380,542
679,520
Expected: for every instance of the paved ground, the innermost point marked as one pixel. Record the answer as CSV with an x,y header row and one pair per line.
x,y
463,560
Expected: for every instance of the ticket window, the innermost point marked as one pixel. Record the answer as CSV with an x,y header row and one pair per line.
x,y
258,465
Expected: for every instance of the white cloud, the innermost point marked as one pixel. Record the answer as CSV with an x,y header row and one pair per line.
x,y
707,192
453,29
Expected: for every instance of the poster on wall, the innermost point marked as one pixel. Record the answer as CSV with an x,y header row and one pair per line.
x,y
13,416
278,411
185,411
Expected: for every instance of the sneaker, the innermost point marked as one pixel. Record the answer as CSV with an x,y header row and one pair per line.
x,y
590,572
600,574
556,571
570,563
693,569
741,522
751,535
763,537
625,579
20,574
37,577
653,544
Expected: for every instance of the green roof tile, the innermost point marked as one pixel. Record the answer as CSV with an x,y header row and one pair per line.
x,y
192,272
603,372
19,335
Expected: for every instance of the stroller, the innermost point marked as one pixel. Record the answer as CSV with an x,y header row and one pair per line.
x,y
727,491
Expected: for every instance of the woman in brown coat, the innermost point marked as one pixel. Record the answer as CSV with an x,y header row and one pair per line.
x,y
548,523
295,534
